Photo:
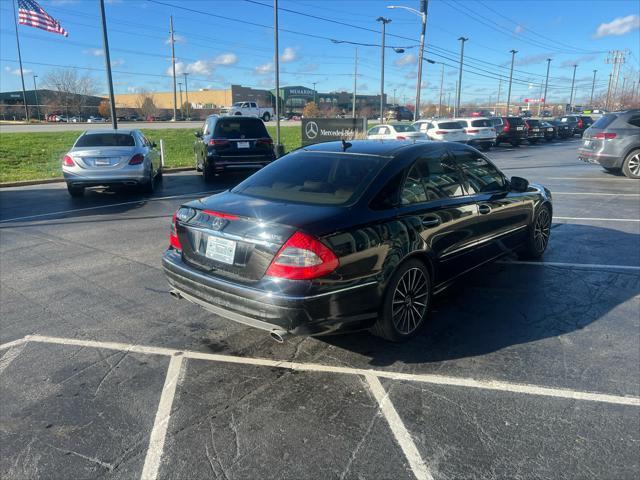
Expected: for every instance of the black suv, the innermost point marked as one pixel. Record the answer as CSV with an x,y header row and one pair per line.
x,y
578,123
535,132
232,143
399,114
509,129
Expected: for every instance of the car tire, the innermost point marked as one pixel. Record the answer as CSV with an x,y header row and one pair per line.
x,y
549,139
266,117
515,143
198,166
485,147
631,165
538,236
149,186
75,192
207,172
410,280
533,141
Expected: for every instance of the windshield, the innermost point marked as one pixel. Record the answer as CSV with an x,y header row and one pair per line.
x,y
404,128
106,140
450,125
238,104
314,178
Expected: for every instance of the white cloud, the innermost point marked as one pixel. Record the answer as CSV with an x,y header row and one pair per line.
x,y
176,38
577,61
618,26
96,52
410,75
264,68
531,59
309,67
16,71
404,60
289,54
117,62
518,29
199,67
226,59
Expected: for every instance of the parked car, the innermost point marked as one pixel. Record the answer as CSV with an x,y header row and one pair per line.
x,y
111,158
480,132
93,119
550,130
509,129
535,131
395,131
578,123
232,143
248,109
563,129
442,130
398,114
613,141
351,236
76,119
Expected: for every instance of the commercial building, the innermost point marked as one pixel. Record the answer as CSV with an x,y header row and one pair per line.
x,y
293,100
43,101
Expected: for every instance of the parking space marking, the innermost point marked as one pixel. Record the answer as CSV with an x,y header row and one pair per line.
x,y
400,432
572,265
111,205
11,355
314,367
12,344
592,219
595,179
598,194
161,423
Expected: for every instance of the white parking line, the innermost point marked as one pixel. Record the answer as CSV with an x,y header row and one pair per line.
x,y
11,355
314,367
572,265
592,219
592,179
403,437
111,205
598,194
161,423
12,344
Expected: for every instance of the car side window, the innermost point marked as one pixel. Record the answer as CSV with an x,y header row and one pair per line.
x,y
442,178
383,131
413,190
205,128
634,120
481,176
253,105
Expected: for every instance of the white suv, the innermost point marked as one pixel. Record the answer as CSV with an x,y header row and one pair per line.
x,y
445,130
480,132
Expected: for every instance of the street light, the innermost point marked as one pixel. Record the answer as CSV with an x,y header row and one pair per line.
x,y
513,59
424,4
384,22
457,109
35,92
181,104
433,62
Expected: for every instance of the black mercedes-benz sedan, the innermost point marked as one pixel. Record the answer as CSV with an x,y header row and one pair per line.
x,y
351,235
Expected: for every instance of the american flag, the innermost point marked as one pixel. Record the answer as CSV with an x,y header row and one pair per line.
x,y
33,15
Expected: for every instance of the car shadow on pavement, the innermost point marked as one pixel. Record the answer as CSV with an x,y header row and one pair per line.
x,y
501,305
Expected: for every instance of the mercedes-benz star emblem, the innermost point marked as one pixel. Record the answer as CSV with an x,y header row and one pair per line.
x,y
311,130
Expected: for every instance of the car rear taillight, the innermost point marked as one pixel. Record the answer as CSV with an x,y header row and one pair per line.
x,y
227,216
493,129
400,137
441,132
469,130
604,136
137,159
302,257
580,123
174,241
218,142
264,141
507,126
67,161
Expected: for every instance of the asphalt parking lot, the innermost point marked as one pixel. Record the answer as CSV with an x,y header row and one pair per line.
x,y
523,370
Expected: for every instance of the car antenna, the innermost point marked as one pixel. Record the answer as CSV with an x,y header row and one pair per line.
x,y
345,145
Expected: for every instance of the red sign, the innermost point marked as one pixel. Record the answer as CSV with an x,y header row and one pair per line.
x,y
534,100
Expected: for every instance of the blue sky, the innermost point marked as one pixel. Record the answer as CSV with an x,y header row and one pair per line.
x,y
220,51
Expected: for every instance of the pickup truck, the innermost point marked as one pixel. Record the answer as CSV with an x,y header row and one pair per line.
x,y
247,109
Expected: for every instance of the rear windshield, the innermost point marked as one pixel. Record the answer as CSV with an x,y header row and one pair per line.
x,y
404,128
496,121
515,121
450,125
604,121
106,140
314,178
240,128
533,123
481,123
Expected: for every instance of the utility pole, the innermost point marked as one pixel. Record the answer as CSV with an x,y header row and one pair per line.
x,y
186,94
624,83
540,98
546,84
573,81
513,59
314,91
35,91
455,106
107,64
384,22
459,88
24,91
441,85
276,60
449,104
616,58
173,66
606,103
181,103
593,86
355,84
498,98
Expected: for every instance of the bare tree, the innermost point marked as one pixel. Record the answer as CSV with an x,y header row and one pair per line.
x,y
146,104
72,89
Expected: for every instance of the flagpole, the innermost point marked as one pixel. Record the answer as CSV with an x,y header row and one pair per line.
x,y
24,92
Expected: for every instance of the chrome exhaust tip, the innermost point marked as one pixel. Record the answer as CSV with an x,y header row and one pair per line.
x,y
279,335
175,294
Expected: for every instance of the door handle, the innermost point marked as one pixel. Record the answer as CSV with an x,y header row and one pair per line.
x,y
484,209
431,221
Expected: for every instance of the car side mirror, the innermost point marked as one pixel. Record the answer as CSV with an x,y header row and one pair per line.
x,y
519,184
198,134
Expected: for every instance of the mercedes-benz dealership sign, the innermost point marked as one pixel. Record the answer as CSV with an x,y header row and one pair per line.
x,y
317,130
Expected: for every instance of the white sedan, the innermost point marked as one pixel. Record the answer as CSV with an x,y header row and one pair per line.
x,y
442,130
395,131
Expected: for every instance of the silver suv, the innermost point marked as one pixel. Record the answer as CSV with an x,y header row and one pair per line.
x,y
613,141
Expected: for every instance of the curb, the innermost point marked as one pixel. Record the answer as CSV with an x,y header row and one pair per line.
x,y
26,183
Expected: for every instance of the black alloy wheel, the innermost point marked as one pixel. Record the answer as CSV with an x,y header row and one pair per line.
x,y
539,234
150,185
631,165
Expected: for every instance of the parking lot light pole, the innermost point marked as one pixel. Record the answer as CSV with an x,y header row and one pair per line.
x,y
441,85
173,65
355,85
276,60
181,103
513,59
573,82
546,84
186,93
462,40
35,92
593,86
384,22
107,63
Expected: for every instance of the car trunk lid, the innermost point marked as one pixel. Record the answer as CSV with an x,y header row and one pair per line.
x,y
102,158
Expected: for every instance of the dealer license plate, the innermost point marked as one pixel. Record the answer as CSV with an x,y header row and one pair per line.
x,y
221,249
519,128
243,144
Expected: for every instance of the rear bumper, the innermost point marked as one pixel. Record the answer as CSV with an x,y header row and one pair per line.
x,y
353,306
481,141
104,180
608,161
220,162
